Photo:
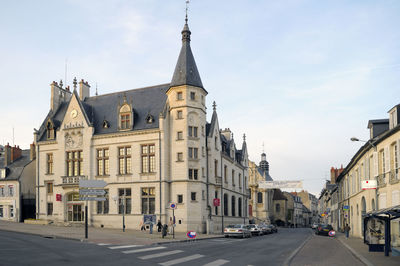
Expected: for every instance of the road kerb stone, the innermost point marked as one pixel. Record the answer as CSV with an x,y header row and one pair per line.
x,y
294,253
356,254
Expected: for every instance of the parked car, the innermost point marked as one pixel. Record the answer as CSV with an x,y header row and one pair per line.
x,y
273,228
323,229
314,226
237,230
265,229
255,230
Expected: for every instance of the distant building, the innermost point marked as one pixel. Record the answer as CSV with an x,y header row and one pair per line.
x,y
261,200
17,183
311,203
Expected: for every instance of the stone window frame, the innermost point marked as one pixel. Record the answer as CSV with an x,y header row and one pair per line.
x,y
124,160
148,158
126,198
103,161
147,194
103,207
49,163
74,163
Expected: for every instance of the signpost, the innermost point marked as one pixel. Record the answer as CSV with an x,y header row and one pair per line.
x,y
89,190
191,234
173,206
280,184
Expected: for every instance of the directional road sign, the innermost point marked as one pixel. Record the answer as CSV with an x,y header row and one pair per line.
x,y
92,192
93,198
92,183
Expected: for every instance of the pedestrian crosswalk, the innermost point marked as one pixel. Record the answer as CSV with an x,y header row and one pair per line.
x,y
162,256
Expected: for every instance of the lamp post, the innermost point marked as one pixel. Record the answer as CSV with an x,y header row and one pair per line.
x,y
372,145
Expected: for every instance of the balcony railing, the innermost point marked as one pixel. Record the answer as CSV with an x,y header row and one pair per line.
x,y
381,180
72,180
394,176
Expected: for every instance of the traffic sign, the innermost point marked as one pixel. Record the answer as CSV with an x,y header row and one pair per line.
x,y
332,233
93,198
216,202
92,192
172,205
346,207
92,183
191,234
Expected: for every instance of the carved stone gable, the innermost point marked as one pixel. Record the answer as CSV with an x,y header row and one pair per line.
x,y
73,139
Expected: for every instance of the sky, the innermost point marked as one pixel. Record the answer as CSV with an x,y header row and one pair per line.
x,y
300,77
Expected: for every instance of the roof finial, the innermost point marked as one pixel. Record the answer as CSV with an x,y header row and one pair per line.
x,y
244,137
214,106
187,7
263,148
96,90
61,83
75,82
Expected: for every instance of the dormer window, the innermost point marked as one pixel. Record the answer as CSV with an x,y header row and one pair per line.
x,y
149,119
125,115
50,130
106,124
393,118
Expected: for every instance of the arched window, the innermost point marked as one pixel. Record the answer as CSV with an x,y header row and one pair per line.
x,y
277,207
240,207
50,130
259,197
225,205
125,116
233,206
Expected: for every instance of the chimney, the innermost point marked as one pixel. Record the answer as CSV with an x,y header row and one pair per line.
x,y
7,155
227,133
84,90
32,153
16,153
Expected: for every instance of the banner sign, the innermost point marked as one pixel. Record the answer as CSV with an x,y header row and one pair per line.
x,y
280,184
150,218
368,184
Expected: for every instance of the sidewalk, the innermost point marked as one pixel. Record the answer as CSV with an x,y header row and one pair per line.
x,y
360,250
98,235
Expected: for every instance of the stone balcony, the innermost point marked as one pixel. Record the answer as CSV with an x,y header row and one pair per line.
x,y
382,180
218,180
394,176
72,180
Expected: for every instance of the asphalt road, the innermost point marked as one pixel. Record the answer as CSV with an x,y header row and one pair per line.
x,y
273,249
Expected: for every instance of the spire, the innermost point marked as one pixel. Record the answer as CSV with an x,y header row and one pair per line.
x,y
186,72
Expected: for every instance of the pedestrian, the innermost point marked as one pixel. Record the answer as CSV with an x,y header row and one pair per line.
x,y
159,226
347,230
170,225
142,226
151,227
164,230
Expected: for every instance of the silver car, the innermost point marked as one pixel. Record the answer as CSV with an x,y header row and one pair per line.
x,y
255,230
239,230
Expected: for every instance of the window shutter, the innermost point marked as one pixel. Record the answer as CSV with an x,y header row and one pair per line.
x,y
375,157
387,159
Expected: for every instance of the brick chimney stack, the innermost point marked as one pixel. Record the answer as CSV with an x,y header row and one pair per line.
x,y
11,154
84,90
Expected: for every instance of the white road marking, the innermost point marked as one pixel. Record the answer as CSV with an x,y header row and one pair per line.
x,y
181,260
217,262
142,250
128,246
103,244
160,254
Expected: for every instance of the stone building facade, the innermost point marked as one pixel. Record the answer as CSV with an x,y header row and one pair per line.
x,y
152,146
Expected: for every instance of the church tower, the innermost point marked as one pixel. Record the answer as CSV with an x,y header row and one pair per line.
x,y
187,125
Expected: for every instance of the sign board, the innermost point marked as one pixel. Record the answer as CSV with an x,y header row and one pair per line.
x,y
216,202
172,205
346,207
92,198
58,197
280,184
149,218
368,184
332,233
191,234
92,183
92,192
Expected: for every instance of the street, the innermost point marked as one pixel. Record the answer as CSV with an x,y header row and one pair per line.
x,y
273,249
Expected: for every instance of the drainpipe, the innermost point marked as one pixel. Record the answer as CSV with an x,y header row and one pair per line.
x,y
38,178
222,198
207,185
159,148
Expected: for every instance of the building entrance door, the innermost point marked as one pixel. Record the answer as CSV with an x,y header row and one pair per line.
x,y
75,210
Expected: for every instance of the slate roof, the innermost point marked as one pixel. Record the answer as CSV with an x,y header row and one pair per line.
x,y
186,72
14,170
278,195
267,175
144,101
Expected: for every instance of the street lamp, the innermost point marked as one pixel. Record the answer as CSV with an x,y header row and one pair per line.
x,y
376,189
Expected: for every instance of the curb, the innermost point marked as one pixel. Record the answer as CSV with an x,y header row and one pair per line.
x,y
44,236
356,254
294,253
